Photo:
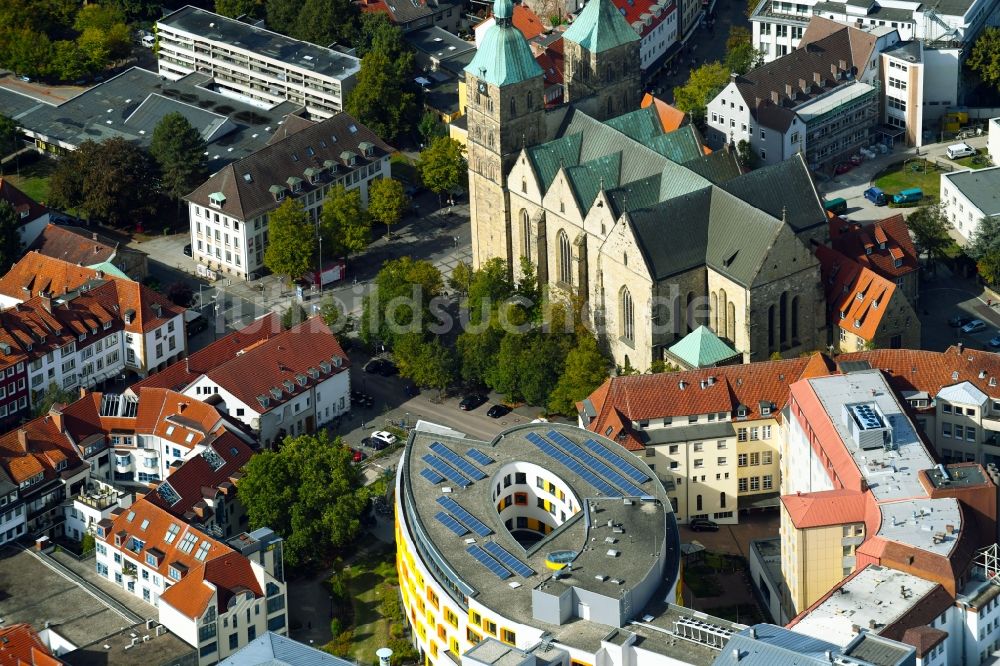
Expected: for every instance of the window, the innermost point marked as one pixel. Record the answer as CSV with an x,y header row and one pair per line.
x,y
699,463
741,434
946,408
721,461
766,432
768,481
234,640
754,459
741,460
946,430
970,434
187,543
754,483
754,433
697,447
959,432
627,315
565,258
767,457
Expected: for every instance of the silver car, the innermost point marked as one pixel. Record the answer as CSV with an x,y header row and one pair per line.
x,y
974,326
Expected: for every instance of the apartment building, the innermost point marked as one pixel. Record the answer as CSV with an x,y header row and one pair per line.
x,y
821,101
84,247
969,195
902,76
250,63
712,436
13,511
656,22
411,15
229,212
215,596
884,246
32,216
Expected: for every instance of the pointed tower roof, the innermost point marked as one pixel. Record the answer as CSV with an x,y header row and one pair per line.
x,y
701,348
504,57
599,27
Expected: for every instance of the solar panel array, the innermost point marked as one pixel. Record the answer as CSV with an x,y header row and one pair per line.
x,y
574,465
458,461
595,464
447,471
431,476
480,457
483,558
508,560
627,468
467,518
452,524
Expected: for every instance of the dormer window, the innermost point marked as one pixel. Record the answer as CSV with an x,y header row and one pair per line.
x,y
367,149
349,158
312,175
294,184
278,192
330,165
897,263
216,199
881,246
264,401
868,250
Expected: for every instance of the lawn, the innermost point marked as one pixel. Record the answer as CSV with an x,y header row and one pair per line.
x,y
912,173
977,161
32,178
404,169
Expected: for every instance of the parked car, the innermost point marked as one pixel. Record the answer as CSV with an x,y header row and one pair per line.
x,y
381,439
357,455
843,168
876,196
995,340
496,411
187,250
703,525
381,366
471,401
25,78
974,326
912,195
958,321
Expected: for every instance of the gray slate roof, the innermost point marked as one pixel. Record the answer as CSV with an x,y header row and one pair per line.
x,y
310,147
783,189
272,649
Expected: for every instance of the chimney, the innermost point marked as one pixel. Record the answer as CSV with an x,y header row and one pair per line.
x,y
753,632
788,90
817,79
181,407
775,97
22,439
961,346
872,623
757,101
733,76
82,393
93,236
950,529
57,419
46,300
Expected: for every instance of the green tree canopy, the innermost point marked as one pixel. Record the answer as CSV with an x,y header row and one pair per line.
x,y
431,127
984,59
401,301
308,492
929,227
703,85
293,316
11,248
442,165
237,8
387,201
53,395
586,368
291,247
425,361
461,277
383,97
375,30
345,224
8,135
282,15
741,54
325,22
179,149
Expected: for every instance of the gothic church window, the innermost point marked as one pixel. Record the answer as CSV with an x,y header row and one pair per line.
x,y
526,234
565,259
626,315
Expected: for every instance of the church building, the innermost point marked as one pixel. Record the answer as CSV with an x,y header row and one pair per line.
x,y
656,234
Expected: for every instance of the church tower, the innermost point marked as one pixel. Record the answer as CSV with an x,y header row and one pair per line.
x,y
602,61
505,112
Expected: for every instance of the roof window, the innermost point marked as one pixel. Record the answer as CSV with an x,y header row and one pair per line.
x,y
217,199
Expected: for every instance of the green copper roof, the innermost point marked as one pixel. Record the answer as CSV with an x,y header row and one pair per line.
x,y
588,178
599,27
504,56
640,125
701,348
109,268
503,9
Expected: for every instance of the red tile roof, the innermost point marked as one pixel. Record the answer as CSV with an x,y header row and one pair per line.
x,y
27,208
825,508
887,240
35,273
181,374
230,574
857,297
36,448
634,10
21,646
671,118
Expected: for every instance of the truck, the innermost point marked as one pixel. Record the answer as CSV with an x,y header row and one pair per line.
x,y
912,195
875,195
836,206
333,271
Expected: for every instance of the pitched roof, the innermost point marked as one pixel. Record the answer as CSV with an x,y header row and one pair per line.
x,y
273,649
924,639
35,272
824,508
600,27
856,296
878,245
181,374
670,116
862,43
227,575
702,348
784,191
503,57
21,646
27,208
246,184
75,245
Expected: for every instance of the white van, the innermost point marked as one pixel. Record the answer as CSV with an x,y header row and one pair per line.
x,y
957,150
149,41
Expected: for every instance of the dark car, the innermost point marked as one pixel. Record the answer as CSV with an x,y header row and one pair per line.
x,y
496,411
843,168
187,250
958,321
381,366
471,401
703,525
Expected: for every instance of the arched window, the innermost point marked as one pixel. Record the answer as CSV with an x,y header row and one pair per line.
x,y
715,312
565,259
526,235
513,107
625,259
529,101
795,318
723,310
731,322
783,316
626,314
689,311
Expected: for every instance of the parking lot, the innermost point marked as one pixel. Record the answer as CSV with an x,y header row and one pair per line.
x,y
944,296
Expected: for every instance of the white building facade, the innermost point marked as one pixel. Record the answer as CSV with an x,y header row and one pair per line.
x,y
967,197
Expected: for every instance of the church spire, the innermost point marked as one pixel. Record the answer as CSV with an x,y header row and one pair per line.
x,y
503,12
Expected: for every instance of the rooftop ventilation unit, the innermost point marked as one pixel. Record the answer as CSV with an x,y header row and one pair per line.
x,y
868,426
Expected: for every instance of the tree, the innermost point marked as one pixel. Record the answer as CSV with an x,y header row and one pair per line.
x,y
401,300
384,77
703,85
441,165
293,316
325,22
237,8
586,369
741,55
8,135
179,149
345,224
68,62
292,244
387,201
929,227
984,59
489,288
431,127
989,268
752,5
54,395
181,293
985,249
282,15
334,317
375,30
308,492
113,181
427,362
10,236
744,151
461,277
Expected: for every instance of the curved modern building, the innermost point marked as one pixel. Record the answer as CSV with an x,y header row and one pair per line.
x,y
549,539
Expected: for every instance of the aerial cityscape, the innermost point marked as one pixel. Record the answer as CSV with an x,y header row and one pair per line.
x,y
499,333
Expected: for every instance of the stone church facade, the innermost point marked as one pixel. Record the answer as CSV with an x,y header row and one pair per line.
x,y
653,234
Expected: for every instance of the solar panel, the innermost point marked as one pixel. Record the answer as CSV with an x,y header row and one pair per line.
x,y
575,465
508,560
470,521
458,461
452,524
446,471
483,557
596,465
627,468
431,476
480,457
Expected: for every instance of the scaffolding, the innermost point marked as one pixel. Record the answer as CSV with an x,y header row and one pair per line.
x,y
988,560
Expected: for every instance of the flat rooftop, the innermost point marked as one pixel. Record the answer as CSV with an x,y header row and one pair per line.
x,y
438,43
683,634
981,186
923,524
15,104
958,476
874,595
118,650
891,474
204,25
131,104
815,108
